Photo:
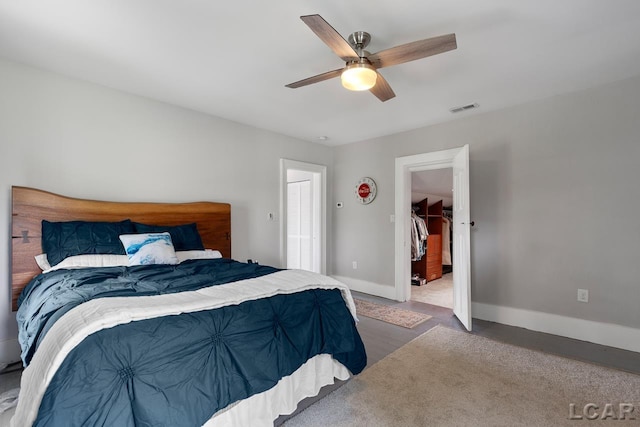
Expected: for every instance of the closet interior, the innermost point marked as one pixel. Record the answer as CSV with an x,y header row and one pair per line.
x,y
431,243
428,264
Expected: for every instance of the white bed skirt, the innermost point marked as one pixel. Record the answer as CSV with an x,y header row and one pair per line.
x,y
262,409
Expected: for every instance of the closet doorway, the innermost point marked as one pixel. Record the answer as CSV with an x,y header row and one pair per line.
x,y
431,247
302,215
458,160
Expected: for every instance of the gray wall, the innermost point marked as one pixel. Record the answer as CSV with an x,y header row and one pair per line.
x,y
554,184
555,194
88,141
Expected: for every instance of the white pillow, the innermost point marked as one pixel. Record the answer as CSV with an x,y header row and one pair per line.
x,y
42,262
149,248
206,254
110,260
91,260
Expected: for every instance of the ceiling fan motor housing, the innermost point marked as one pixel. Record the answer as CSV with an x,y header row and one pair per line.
x,y
359,40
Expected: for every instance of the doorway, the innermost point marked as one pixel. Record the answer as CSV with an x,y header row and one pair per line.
x,y
302,215
431,248
458,160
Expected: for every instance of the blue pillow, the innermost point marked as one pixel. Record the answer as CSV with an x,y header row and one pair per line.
x,y
151,248
64,239
184,237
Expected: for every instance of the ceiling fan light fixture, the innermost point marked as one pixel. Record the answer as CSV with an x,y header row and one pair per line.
x,y
359,76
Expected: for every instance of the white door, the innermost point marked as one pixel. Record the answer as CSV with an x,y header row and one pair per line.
x,y
458,160
461,238
304,234
300,253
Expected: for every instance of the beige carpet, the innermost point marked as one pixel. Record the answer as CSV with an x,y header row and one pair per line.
x,y
438,292
451,378
397,316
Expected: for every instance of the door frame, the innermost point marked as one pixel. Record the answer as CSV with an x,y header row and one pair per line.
x,y
285,165
404,167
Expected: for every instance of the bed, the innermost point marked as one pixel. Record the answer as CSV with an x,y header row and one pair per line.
x,y
138,321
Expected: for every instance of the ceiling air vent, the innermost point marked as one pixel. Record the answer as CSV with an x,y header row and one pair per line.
x,y
464,108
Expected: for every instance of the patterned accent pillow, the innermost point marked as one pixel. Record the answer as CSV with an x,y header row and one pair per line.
x,y
150,248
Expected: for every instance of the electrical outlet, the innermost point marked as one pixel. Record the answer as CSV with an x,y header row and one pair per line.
x,y
583,295
355,265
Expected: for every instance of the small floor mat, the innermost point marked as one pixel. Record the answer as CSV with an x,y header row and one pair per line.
x,y
397,316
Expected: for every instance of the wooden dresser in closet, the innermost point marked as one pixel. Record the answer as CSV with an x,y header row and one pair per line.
x,y
430,266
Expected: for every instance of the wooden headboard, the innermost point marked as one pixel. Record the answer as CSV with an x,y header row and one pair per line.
x,y
30,206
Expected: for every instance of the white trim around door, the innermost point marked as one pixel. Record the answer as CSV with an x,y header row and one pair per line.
x,y
404,167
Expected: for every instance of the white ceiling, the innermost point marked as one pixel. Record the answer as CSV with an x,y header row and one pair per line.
x,y
232,59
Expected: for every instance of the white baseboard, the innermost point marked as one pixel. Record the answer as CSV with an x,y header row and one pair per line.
x,y
9,351
607,334
367,287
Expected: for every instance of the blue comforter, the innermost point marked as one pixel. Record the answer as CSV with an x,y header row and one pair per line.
x,y
179,370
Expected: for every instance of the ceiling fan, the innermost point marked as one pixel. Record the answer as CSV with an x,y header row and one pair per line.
x,y
360,71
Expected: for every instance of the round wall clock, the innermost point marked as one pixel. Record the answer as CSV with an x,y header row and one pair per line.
x,y
366,190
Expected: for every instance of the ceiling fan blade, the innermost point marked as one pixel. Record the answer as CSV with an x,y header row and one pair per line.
x,y
330,36
315,79
414,50
382,89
